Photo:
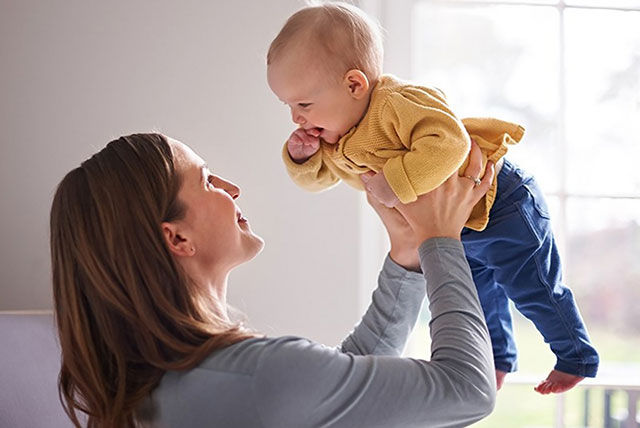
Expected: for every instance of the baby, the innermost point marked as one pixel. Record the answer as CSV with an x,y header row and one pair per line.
x,y
325,64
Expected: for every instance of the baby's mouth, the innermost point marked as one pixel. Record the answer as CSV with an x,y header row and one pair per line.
x,y
314,131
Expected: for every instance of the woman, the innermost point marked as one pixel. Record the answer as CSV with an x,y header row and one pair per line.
x,y
143,238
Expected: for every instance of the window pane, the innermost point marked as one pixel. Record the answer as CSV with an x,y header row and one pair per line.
x,y
499,61
603,264
603,101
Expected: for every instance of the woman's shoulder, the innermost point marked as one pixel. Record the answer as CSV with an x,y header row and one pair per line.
x,y
229,386
244,358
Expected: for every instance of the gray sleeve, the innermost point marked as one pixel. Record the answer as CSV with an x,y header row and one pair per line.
x,y
392,314
303,384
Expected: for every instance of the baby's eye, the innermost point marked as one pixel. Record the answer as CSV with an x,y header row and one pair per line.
x,y
304,105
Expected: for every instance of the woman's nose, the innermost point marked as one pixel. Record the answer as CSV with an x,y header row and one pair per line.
x,y
232,189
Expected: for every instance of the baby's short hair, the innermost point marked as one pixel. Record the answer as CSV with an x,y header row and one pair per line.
x,y
346,36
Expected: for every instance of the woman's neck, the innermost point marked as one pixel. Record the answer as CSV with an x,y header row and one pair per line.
x,y
215,284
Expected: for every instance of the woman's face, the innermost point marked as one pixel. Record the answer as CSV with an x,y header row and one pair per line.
x,y
213,229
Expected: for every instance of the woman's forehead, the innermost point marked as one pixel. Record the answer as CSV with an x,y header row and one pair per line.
x,y
187,161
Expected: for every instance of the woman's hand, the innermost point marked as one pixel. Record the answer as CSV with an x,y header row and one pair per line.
x,y
404,245
444,211
377,186
439,213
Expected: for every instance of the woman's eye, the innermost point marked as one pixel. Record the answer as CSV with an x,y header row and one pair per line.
x,y
304,105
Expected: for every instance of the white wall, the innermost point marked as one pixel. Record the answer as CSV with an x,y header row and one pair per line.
x,y
75,75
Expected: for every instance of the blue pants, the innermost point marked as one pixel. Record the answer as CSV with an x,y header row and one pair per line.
x,y
516,258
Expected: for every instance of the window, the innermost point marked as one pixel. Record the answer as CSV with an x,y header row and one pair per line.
x,y
569,71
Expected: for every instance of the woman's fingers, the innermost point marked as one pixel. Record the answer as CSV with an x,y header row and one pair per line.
x,y
485,183
402,238
474,168
387,215
366,177
375,204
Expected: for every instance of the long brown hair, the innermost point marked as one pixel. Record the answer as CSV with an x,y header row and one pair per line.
x,y
125,311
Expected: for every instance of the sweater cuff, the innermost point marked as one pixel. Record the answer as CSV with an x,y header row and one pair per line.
x,y
393,269
399,180
436,244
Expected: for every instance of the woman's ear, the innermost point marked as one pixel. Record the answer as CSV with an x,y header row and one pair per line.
x,y
357,83
178,244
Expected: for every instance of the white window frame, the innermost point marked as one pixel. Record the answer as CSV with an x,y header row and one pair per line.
x,y
394,15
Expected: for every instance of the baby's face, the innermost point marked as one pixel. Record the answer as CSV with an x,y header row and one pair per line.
x,y
315,100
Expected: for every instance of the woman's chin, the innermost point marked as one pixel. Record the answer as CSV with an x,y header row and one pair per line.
x,y
256,246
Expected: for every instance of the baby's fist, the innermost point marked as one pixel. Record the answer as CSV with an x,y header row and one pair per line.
x,y
302,144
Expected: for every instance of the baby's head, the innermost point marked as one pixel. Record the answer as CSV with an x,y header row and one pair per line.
x,y
323,65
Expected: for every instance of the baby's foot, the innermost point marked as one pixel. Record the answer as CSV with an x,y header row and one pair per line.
x,y
557,382
500,375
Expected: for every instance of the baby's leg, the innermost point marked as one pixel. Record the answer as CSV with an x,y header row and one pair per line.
x,y
530,272
495,306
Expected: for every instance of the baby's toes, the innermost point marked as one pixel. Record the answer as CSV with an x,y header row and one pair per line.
x,y
544,387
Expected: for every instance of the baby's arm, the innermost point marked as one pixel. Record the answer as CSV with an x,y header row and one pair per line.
x,y
435,140
303,159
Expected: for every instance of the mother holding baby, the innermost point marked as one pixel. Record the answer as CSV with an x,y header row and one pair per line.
x,y
143,238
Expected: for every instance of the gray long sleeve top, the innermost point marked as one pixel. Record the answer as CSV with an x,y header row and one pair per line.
x,y
294,382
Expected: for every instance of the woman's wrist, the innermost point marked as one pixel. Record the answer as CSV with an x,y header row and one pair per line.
x,y
426,235
438,243
405,257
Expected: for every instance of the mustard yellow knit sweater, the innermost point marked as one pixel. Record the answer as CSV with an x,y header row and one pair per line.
x,y
411,135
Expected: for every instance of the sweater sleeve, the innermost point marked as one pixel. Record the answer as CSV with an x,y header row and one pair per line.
x,y
435,140
392,314
313,175
300,383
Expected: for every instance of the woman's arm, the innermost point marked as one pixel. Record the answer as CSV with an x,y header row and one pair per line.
x,y
396,302
392,314
301,383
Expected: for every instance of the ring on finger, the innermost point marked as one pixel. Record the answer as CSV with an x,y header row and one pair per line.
x,y
476,180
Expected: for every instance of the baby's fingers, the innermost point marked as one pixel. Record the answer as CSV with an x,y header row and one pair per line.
x,y
295,139
312,141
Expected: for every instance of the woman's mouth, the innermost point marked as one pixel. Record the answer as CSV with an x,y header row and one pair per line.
x,y
240,217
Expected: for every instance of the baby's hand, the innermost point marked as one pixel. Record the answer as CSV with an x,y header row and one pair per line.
x,y
378,187
302,144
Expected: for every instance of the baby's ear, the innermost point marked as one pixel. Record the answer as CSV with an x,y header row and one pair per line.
x,y
357,83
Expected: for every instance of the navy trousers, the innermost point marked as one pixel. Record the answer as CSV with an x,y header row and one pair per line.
x,y
515,258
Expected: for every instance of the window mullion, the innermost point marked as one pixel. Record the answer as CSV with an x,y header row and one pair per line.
x,y
562,136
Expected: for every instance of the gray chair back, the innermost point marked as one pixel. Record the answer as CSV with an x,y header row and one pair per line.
x,y
29,366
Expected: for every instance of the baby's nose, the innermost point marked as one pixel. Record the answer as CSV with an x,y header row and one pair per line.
x,y
298,119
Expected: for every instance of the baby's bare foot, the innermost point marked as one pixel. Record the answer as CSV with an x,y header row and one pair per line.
x,y
500,375
557,382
